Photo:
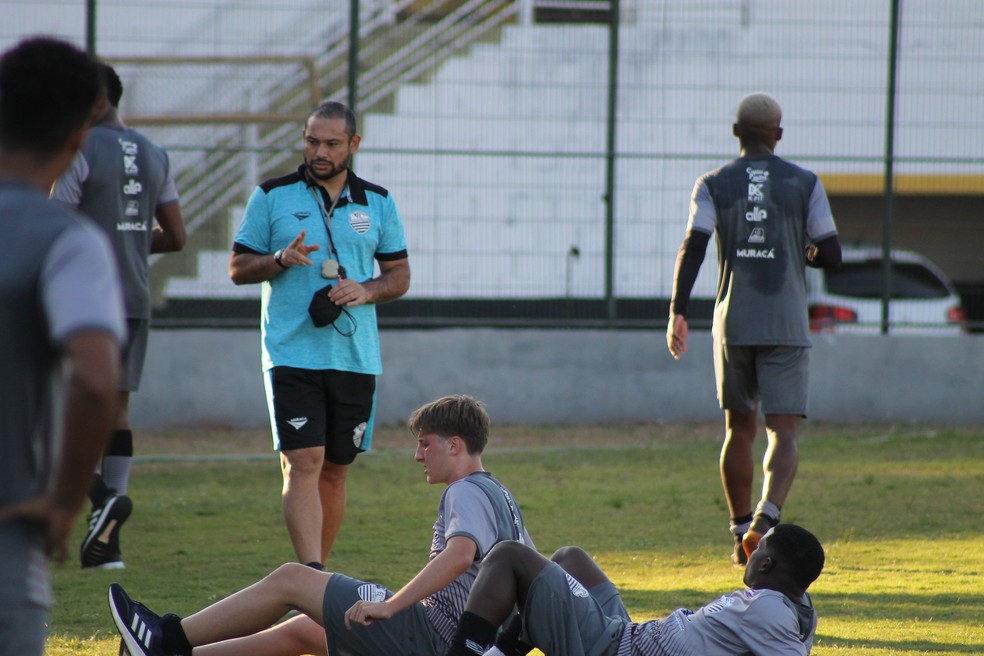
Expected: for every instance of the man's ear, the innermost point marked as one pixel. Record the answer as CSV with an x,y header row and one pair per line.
x,y
778,134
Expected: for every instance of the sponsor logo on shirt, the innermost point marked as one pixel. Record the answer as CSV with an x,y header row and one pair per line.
x,y
757,236
757,175
132,187
757,215
757,179
130,150
757,253
131,226
359,221
131,209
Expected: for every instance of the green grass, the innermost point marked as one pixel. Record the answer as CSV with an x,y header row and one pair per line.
x,y
899,510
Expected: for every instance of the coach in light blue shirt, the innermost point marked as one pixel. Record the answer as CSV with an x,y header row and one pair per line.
x,y
312,238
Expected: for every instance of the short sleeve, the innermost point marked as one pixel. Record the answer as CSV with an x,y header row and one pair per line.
x,y
68,188
703,215
254,231
393,239
468,512
79,285
819,218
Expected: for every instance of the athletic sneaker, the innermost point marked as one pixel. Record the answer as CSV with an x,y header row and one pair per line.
x,y
139,627
101,547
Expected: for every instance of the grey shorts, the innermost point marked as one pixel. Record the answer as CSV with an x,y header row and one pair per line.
x,y
408,633
134,354
778,376
562,617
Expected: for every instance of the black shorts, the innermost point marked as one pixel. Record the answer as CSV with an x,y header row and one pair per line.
x,y
311,408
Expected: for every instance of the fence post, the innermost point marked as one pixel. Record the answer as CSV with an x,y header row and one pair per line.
x,y
889,188
610,147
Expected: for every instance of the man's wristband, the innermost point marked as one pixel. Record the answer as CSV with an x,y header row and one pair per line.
x,y
278,257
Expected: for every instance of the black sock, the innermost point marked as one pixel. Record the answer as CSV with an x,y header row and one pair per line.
x,y
98,491
316,565
173,638
472,637
508,641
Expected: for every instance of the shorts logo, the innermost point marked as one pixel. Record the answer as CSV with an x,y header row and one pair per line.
x,y
359,434
297,422
359,221
576,588
371,592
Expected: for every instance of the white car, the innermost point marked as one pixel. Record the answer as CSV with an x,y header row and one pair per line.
x,y
849,298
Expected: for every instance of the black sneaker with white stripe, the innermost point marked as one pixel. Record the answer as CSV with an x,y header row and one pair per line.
x,y
139,626
101,546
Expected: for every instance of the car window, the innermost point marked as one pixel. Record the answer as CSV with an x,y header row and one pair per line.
x,y
864,280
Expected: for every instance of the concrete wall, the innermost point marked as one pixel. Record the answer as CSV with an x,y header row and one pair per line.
x,y
211,378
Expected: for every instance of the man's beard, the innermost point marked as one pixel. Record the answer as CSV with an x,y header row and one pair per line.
x,y
332,172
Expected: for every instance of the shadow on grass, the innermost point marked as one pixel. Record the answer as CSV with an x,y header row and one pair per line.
x,y
895,646
946,607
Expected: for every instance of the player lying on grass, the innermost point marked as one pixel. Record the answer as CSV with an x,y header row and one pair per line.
x,y
569,607
475,512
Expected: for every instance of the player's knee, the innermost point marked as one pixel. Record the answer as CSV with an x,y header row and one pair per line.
x,y
301,462
570,558
507,551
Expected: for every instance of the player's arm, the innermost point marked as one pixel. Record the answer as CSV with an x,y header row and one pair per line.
x,y
825,251
441,571
825,254
392,282
169,235
689,259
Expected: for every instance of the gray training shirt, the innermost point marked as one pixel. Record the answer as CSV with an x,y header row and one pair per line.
x,y
56,280
119,179
764,211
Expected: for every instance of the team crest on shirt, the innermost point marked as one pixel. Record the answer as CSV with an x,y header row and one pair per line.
x,y
300,216
359,221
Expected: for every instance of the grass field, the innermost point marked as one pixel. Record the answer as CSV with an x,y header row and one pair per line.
x,y
899,509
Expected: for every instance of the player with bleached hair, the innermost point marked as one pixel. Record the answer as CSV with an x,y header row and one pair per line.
x,y
771,219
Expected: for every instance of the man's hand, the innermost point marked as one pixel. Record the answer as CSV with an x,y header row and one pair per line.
x,y
348,293
296,254
676,335
366,612
56,520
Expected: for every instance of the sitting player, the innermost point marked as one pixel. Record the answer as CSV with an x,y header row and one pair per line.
x,y
570,608
360,619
